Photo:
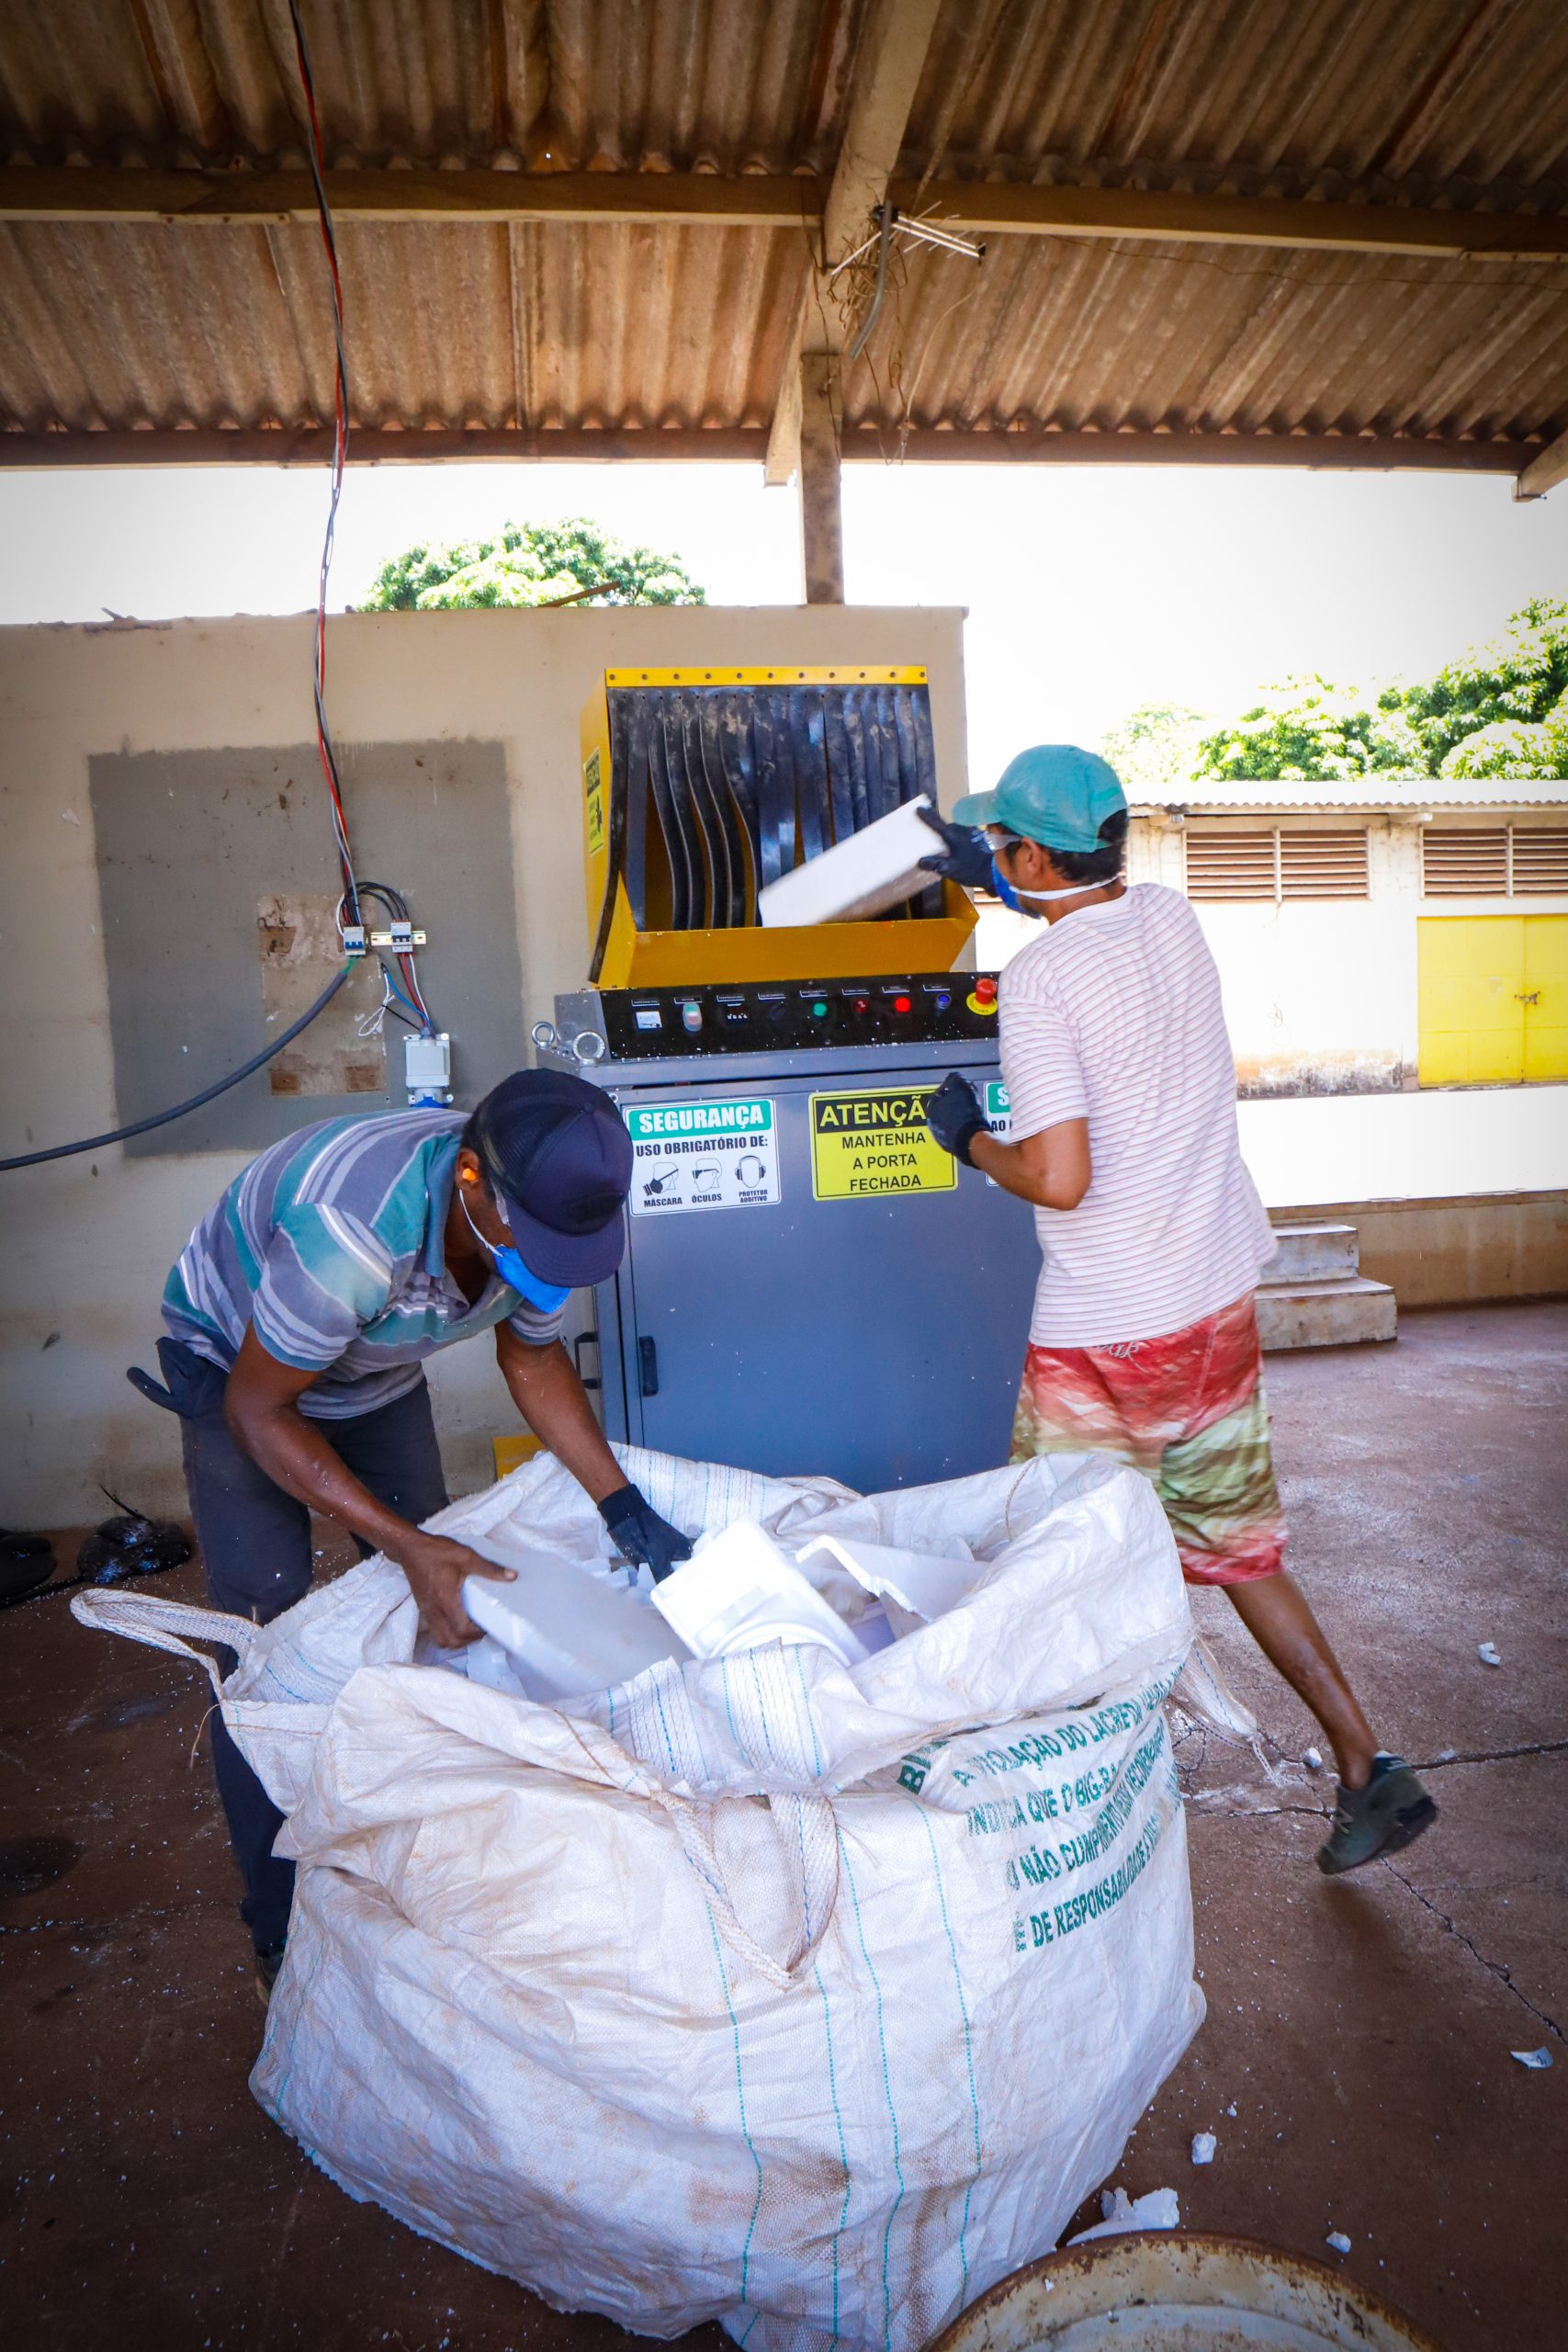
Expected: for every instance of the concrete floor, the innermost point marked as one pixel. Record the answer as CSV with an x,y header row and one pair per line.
x,y
1361,2029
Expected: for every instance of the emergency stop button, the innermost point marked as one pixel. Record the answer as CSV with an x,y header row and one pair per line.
x,y
983,997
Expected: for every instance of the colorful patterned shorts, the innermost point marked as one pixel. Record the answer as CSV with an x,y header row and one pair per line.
x,y
1187,1411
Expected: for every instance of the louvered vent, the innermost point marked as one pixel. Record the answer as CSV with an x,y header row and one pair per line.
x,y
1323,866
1540,860
1465,861
1229,866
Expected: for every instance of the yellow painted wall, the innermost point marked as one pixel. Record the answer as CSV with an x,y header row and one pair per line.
x,y
1493,998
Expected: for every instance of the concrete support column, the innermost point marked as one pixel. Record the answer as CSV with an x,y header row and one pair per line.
x,y
821,522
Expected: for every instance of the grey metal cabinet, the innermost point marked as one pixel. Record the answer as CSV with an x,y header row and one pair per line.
x,y
879,1339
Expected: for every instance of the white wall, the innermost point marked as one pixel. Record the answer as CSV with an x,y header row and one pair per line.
x,y
1320,994
1320,997
1448,1142
87,1243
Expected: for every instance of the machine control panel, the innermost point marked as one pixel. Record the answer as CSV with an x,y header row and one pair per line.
x,y
651,1025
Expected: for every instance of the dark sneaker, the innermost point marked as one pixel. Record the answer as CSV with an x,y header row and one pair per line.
x,y
1391,1810
267,1966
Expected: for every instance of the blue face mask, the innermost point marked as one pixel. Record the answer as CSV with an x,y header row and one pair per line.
x,y
510,1265
1004,888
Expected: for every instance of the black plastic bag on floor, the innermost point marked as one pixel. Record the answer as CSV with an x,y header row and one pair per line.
x,y
26,1562
129,1546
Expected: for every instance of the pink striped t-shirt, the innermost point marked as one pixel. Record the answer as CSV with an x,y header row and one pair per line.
x,y
1113,1014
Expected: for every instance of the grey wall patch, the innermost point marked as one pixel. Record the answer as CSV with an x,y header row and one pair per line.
x,y
187,844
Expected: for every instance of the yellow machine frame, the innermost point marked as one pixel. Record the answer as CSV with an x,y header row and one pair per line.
x,y
695,959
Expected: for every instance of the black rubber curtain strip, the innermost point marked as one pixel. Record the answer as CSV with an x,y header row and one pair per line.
x,y
636,790
688,808
807,737
767,856
689,870
672,834
747,782
726,746
775,814
915,718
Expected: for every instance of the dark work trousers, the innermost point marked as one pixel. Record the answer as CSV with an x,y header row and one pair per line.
x,y
255,1546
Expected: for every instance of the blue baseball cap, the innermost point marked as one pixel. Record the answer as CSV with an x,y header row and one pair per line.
x,y
559,1160
1053,793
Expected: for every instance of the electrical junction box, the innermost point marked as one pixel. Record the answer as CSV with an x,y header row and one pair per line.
x,y
427,1068
811,1285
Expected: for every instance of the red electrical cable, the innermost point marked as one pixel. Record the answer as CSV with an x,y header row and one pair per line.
x,y
316,155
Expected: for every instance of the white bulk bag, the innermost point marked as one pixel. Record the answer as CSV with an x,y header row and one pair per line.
x,y
808,2000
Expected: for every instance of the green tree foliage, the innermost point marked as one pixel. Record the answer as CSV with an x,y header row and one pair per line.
x,y
1500,711
1507,690
530,564
1307,731
1155,745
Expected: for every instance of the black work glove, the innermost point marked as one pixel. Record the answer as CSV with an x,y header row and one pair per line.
x,y
954,1116
965,857
640,1536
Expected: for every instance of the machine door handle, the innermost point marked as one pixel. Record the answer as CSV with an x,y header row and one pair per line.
x,y
647,1367
1532,996
585,1339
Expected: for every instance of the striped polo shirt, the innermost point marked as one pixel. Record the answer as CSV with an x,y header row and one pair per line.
x,y
1113,1014
332,1244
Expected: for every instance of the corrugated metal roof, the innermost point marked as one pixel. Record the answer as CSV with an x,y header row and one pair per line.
x,y
1225,795
1459,103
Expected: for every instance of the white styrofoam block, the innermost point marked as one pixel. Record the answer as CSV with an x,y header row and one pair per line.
x,y
858,878
738,1592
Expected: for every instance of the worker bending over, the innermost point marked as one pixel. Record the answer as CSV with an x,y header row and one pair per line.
x,y
1144,1342
299,1318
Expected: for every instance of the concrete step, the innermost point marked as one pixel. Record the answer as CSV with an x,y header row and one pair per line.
x,y
1343,1313
1313,1253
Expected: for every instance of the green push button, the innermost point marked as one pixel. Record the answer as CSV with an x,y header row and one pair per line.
x,y
820,1010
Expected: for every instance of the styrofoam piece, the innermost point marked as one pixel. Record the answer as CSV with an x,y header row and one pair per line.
x,y
738,1590
1160,2210
863,876
567,1628
486,1663
918,1584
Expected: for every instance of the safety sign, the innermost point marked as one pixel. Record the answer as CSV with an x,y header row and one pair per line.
x,y
594,789
721,1154
998,1118
876,1140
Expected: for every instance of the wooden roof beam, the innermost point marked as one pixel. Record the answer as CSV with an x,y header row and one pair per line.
x,y
702,199
887,74
1417,231
376,445
275,199
1545,471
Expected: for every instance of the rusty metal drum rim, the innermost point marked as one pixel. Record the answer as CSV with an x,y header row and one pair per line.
x,y
964,2332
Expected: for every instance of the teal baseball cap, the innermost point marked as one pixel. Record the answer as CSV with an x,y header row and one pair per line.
x,y
1053,793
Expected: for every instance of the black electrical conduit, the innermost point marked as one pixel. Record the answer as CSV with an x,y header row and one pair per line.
x,y
162,1118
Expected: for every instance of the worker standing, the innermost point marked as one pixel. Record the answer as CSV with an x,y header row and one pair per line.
x,y
297,1320
1144,1341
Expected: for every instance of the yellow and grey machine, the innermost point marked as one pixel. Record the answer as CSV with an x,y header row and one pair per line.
x,y
811,1284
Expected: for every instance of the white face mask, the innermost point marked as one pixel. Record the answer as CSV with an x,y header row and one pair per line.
x,y
1011,892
